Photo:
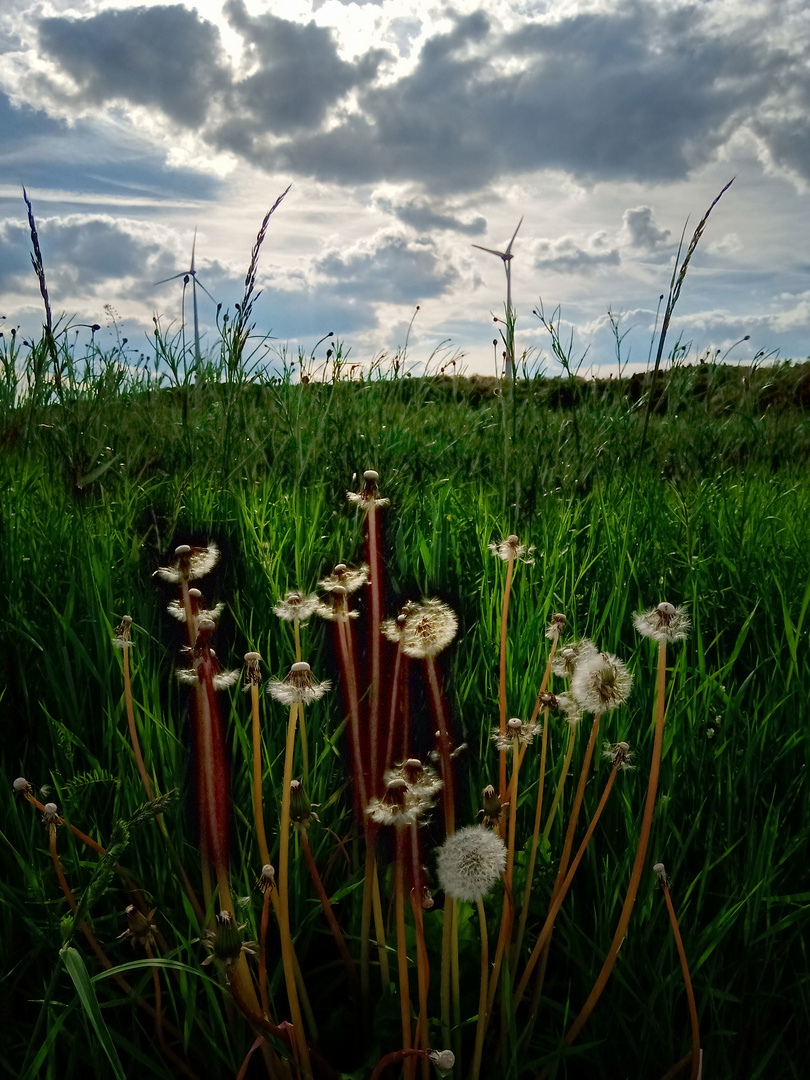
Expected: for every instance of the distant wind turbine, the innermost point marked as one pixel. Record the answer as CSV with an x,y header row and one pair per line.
x,y
507,257
191,273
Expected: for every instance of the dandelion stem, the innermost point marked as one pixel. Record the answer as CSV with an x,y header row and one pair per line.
x,y
508,911
422,967
283,890
258,808
562,891
524,911
483,1007
690,995
558,791
263,952
379,929
327,909
641,851
444,748
447,934
402,956
454,973
510,567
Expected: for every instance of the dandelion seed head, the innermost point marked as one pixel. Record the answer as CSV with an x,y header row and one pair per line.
x,y
469,863
601,683
346,579
512,549
22,787
517,734
224,679
618,754
429,627
300,686
664,624
565,662
443,1059
297,606
368,497
50,815
660,872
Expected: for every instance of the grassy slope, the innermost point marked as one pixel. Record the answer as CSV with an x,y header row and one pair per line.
x,y
97,490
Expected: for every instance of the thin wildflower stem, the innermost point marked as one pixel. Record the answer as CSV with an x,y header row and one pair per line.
x,y
422,971
302,720
510,568
641,851
447,934
283,891
133,731
562,869
326,906
484,994
444,748
455,987
375,567
524,910
562,891
263,927
690,995
508,911
392,716
558,791
258,807
402,956
379,928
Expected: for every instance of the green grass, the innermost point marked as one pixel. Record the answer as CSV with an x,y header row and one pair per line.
x,y
100,481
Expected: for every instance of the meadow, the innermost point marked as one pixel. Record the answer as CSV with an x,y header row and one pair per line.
x,y
137,495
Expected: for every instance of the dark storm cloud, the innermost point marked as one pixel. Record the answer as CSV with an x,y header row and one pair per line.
x,y
299,76
163,56
643,93
394,271
424,220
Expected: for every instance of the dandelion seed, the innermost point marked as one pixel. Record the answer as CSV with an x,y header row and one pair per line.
x,y
511,548
570,708
296,606
300,685
665,623
337,611
469,863
223,679
601,683
428,628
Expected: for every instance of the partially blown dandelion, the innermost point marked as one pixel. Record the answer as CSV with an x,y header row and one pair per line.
x,y
665,623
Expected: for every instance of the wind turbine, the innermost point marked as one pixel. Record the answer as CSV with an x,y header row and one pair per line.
x,y
191,273
507,257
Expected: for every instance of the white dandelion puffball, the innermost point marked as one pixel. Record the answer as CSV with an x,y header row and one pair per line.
x,y
470,862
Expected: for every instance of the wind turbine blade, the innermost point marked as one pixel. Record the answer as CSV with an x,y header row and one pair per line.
x,y
174,277
193,249
514,234
492,251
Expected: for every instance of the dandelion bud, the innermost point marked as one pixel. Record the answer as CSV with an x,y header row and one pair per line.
x,y
470,862
300,806
492,804
140,928
225,941
427,898
443,1059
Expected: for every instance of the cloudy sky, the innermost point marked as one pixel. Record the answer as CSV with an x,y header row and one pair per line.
x,y
411,130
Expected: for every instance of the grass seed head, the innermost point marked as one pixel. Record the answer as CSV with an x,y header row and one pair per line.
x,y
469,863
